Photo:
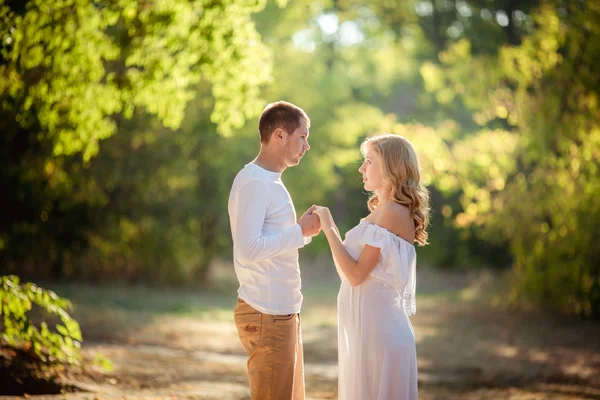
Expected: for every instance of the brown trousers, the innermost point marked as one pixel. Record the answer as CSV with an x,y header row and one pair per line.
x,y
274,347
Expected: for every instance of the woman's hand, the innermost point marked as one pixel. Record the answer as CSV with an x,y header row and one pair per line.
x,y
324,216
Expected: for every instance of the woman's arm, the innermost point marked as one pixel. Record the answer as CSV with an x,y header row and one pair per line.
x,y
337,267
355,271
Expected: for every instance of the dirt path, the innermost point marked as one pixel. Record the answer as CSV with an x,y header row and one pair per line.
x,y
466,348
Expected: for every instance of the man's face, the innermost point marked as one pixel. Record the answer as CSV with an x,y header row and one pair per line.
x,y
296,144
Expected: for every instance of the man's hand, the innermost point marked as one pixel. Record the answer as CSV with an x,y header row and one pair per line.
x,y
310,223
324,216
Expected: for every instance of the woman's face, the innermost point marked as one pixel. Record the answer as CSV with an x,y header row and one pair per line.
x,y
371,171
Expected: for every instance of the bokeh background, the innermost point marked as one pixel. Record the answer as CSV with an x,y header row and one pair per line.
x,y
123,124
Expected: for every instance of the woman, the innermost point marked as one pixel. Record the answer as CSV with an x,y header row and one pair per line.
x,y
376,262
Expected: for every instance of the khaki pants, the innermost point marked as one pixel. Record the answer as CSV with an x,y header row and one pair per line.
x,y
274,347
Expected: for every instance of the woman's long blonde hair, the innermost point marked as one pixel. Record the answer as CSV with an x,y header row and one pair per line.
x,y
400,170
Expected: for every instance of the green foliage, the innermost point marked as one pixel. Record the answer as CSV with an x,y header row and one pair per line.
x,y
534,181
503,113
62,345
162,224
103,362
73,73
72,64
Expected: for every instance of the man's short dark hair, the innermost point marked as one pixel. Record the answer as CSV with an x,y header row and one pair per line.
x,y
280,114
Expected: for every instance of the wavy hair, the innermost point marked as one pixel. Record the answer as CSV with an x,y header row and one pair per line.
x,y
400,170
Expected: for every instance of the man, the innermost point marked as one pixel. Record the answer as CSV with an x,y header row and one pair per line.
x,y
266,239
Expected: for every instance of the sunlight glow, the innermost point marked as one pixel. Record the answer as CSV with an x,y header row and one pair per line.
x,y
303,40
502,18
329,23
424,8
463,9
350,34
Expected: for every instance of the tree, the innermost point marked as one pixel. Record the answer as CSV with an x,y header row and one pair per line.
x,y
531,181
73,70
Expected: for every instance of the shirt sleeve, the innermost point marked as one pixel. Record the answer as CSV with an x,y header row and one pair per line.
x,y
249,211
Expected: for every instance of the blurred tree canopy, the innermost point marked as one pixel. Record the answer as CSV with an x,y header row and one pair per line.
x,y
529,175
73,72
123,125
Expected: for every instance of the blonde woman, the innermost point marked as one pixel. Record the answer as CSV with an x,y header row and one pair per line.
x,y
376,262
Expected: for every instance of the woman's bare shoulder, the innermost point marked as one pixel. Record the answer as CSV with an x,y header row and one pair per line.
x,y
397,219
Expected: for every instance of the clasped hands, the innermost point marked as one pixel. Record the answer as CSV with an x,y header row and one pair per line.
x,y
315,219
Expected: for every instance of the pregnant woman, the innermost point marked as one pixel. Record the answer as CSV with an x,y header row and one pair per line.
x,y
376,263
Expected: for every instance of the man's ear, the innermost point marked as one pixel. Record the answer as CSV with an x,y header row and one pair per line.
x,y
280,135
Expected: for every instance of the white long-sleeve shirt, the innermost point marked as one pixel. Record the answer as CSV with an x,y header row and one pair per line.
x,y
266,239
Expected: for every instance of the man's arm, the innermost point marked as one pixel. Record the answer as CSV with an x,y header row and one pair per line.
x,y
250,209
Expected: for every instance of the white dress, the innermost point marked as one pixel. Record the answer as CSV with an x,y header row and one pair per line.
x,y
376,343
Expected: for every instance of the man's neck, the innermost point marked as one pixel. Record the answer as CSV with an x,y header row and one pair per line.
x,y
269,161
